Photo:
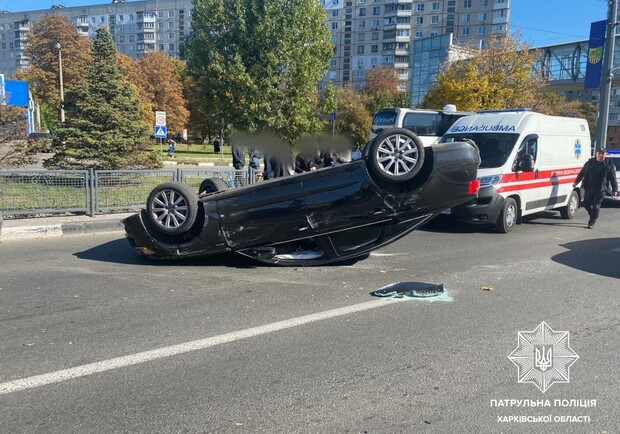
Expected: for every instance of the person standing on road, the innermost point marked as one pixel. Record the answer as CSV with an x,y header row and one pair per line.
x,y
238,159
254,165
597,174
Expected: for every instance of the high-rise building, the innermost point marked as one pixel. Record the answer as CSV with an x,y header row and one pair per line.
x,y
366,33
374,33
137,27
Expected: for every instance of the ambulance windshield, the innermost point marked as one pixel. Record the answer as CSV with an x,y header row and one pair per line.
x,y
494,148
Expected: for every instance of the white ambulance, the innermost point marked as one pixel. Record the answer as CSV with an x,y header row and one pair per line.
x,y
528,164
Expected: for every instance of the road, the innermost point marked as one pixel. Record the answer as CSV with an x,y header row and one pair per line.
x,y
116,343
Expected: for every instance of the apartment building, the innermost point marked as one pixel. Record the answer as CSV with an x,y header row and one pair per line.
x,y
374,33
366,33
137,27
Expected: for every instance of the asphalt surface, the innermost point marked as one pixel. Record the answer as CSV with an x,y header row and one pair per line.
x,y
268,349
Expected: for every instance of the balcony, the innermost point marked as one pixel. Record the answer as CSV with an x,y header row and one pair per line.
x,y
398,13
21,37
500,20
22,26
145,19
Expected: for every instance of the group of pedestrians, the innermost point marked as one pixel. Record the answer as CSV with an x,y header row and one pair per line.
x,y
276,164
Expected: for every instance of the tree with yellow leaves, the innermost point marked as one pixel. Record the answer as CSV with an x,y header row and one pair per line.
x,y
497,77
160,79
133,74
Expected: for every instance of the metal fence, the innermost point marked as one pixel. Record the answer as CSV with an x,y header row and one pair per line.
x,y
30,192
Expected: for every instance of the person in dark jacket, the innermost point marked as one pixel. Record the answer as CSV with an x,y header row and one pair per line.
x,y
596,174
238,159
304,163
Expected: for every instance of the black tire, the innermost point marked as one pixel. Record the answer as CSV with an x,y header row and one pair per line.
x,y
396,155
212,185
508,216
172,207
570,210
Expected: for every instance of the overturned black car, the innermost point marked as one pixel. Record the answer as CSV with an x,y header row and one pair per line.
x,y
325,216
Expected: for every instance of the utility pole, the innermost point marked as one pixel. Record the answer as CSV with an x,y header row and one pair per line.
x,y
607,74
62,91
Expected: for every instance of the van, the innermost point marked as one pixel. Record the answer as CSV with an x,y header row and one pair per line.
x,y
529,162
614,156
428,125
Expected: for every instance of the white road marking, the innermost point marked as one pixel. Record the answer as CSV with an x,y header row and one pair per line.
x,y
387,254
145,356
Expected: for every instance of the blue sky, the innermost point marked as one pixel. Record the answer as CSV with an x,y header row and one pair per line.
x,y
549,22
541,22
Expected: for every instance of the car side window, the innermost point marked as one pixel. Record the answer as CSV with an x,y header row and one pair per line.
x,y
529,146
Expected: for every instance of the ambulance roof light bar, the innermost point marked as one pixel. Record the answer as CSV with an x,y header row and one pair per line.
x,y
522,109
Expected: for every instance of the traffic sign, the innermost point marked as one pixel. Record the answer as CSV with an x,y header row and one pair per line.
x,y
160,119
160,132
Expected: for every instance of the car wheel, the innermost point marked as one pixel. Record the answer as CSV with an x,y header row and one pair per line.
x,y
172,207
212,185
508,217
568,212
396,155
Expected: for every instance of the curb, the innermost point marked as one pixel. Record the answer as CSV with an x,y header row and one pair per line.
x,y
60,229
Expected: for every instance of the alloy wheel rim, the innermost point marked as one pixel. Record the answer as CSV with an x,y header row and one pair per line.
x,y
397,155
573,205
510,216
170,209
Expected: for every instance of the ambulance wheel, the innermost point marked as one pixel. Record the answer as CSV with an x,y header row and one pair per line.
x,y
508,217
396,155
568,212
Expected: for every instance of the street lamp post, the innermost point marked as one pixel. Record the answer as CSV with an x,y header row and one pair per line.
x,y
607,75
62,91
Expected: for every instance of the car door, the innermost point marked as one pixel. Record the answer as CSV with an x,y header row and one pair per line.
x,y
340,198
266,213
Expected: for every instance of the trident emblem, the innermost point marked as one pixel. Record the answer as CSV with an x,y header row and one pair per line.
x,y
543,357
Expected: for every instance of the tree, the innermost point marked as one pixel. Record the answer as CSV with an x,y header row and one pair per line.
x,y
103,128
383,89
42,73
258,62
328,102
132,73
354,120
13,148
497,77
162,85
556,105
382,80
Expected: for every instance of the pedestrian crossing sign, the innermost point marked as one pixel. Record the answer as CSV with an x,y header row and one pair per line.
x,y
161,132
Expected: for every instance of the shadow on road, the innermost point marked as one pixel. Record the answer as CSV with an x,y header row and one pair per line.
x,y
119,252
445,224
598,256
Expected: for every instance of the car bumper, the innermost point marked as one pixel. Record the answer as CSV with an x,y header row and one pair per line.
x,y
484,209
